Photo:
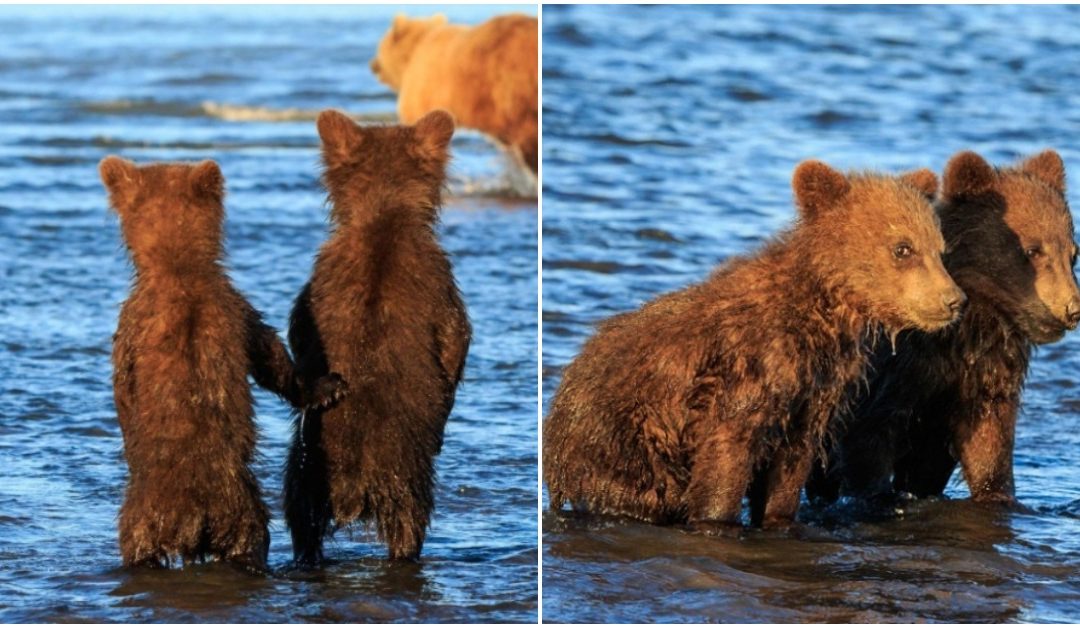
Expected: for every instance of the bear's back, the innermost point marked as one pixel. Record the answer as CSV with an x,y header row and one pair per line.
x,y
190,362
377,311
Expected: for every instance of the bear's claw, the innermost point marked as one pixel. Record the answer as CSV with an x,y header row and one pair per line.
x,y
328,390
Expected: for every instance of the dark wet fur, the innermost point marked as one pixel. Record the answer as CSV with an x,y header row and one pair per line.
x,y
952,397
382,309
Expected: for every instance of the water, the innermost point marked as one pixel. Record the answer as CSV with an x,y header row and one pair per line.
x,y
670,135
241,85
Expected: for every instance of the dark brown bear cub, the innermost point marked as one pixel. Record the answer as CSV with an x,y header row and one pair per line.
x,y
185,344
383,310
952,397
672,413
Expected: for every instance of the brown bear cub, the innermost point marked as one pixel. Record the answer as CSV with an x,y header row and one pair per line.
x,y
952,396
672,413
185,343
383,310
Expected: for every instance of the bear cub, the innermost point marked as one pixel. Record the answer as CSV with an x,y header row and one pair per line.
x,y
383,310
952,397
673,412
185,343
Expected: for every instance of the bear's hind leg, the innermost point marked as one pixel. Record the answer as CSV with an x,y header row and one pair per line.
x,y
402,516
141,544
307,490
239,532
404,531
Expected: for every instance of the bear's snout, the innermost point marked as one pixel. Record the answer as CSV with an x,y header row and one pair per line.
x,y
1072,313
954,301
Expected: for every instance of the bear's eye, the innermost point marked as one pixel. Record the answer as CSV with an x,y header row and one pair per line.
x,y
1033,251
902,251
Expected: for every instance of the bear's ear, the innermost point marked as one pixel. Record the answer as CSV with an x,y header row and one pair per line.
x,y
121,178
434,132
817,187
1047,167
207,179
923,180
340,135
400,20
439,19
967,174
118,173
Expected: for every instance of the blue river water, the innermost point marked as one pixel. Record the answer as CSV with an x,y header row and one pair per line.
x,y
669,138
241,85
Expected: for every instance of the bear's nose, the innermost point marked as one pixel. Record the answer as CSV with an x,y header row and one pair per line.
x,y
375,66
1072,314
955,301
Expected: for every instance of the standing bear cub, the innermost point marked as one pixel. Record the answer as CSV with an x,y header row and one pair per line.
x,y
485,75
953,396
381,308
672,413
185,343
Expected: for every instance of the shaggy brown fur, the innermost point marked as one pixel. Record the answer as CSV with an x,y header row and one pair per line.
x,y
485,75
382,309
672,412
185,344
953,396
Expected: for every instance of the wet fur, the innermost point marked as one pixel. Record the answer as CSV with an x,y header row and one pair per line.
x,y
381,308
952,397
184,346
673,412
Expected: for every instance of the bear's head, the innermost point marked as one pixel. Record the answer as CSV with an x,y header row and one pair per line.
x,y
877,239
1010,235
397,168
171,214
397,47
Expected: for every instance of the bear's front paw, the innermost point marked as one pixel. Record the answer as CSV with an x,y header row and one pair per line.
x,y
724,529
1003,500
328,390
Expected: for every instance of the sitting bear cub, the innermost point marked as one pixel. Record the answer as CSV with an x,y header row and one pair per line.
x,y
672,413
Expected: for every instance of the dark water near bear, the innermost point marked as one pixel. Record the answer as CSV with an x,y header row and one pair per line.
x,y
670,135
241,85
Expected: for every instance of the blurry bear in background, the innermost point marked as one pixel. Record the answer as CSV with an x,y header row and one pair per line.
x,y
485,75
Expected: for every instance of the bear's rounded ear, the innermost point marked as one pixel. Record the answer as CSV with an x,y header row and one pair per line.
x,y
340,135
121,178
1047,167
400,21
817,187
438,19
967,174
117,173
923,180
434,132
207,179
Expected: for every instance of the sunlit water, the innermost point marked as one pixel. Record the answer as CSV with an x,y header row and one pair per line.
x,y
242,86
670,135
